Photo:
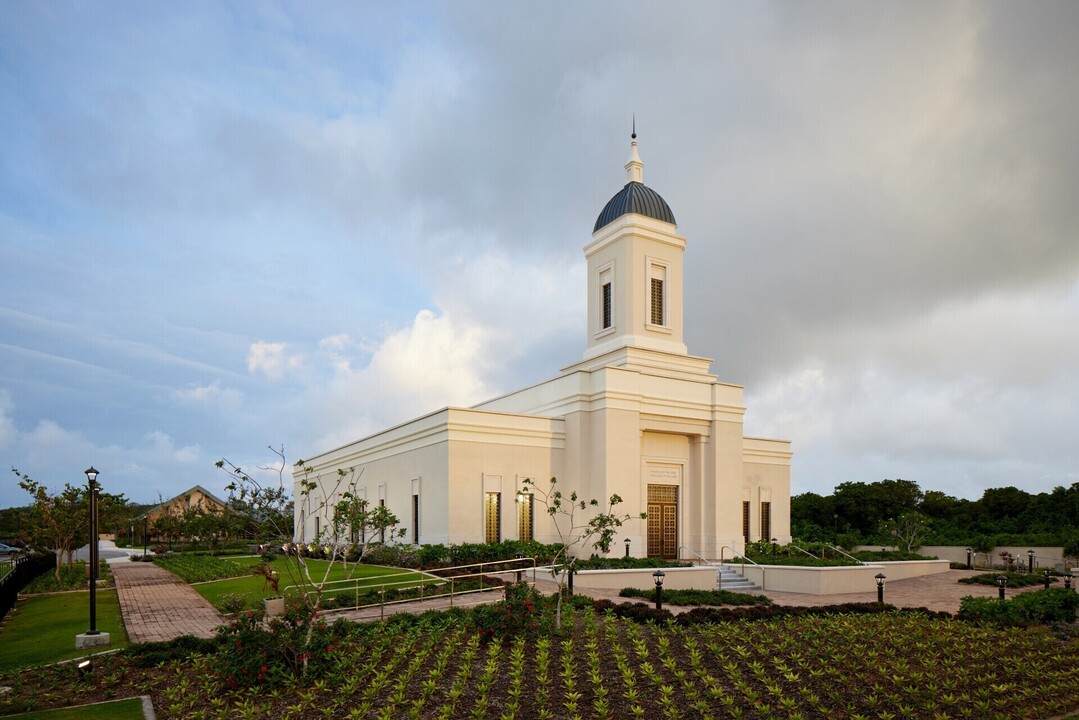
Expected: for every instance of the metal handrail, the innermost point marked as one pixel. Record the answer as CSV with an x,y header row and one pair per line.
x,y
377,582
700,557
842,552
743,558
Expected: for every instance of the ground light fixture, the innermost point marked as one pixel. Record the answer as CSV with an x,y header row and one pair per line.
x,y
1030,561
970,553
519,556
1046,578
774,541
881,577
1002,581
626,541
658,576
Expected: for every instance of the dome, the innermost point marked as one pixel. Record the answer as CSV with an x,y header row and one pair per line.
x,y
635,197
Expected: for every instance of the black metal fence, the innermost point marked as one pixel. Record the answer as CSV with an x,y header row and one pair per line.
x,y
23,570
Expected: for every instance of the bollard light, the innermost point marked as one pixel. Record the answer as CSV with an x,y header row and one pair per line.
x,y
881,577
627,546
570,570
519,556
970,565
1046,578
774,541
1002,581
1067,582
1030,561
658,576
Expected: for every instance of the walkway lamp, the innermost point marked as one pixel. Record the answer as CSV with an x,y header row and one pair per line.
x,y
774,541
91,477
1030,561
658,575
570,570
1046,578
519,571
1002,581
970,555
145,533
881,577
626,541
1067,582
93,637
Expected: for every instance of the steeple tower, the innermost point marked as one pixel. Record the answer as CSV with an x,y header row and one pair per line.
x,y
635,272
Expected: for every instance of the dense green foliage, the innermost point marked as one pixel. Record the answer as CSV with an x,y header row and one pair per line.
x,y
698,597
623,563
1052,605
200,568
1014,579
72,577
855,512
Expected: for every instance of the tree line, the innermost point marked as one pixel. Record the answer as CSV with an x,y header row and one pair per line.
x,y
880,512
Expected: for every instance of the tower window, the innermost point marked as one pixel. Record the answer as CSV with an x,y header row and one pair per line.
x,y
382,532
606,305
656,304
745,520
415,519
766,521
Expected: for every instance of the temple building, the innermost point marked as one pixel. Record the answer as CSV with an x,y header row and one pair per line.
x,y
637,416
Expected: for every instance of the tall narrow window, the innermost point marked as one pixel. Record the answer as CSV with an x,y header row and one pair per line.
x,y
526,504
656,305
766,521
492,517
606,305
382,533
317,530
745,520
415,519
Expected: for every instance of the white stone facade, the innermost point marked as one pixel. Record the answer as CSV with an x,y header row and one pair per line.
x,y
638,416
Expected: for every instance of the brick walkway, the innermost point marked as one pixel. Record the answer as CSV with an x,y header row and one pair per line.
x,y
156,605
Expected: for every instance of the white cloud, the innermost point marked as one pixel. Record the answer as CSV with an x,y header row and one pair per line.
x,y
272,359
8,431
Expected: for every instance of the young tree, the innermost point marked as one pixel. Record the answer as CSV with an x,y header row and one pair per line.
x,y
268,510
909,530
61,522
573,533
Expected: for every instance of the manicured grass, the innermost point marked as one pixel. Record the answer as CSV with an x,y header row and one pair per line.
x,y
253,587
42,628
130,709
201,568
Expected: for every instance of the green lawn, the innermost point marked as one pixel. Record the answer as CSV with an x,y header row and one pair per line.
x,y
42,628
130,709
253,588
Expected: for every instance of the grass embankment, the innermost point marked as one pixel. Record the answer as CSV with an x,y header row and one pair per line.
x,y
42,628
130,709
237,579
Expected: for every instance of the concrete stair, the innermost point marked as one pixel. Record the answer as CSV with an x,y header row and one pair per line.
x,y
727,578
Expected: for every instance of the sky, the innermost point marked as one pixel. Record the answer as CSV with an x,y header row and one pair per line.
x,y
230,226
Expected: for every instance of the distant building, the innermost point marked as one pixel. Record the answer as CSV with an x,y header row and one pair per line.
x,y
637,416
195,497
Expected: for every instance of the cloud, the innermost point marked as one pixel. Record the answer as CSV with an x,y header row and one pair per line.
x,y
271,359
8,432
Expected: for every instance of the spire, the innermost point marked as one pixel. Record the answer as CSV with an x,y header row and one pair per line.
x,y
634,168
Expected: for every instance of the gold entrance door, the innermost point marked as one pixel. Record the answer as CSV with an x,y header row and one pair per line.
x,y
663,521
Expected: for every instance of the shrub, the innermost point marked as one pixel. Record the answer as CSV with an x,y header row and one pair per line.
x,y
622,563
1014,579
699,597
152,654
1043,606
517,614
233,603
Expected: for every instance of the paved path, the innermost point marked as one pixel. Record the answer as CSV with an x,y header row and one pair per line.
x,y
156,605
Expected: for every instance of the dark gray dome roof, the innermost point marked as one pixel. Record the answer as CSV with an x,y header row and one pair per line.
x,y
637,198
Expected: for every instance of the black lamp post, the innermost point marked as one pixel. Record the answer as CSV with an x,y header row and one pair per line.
x,y
145,534
1030,561
519,571
774,541
569,569
970,552
1067,582
880,587
1002,581
91,476
627,546
658,575
1046,578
